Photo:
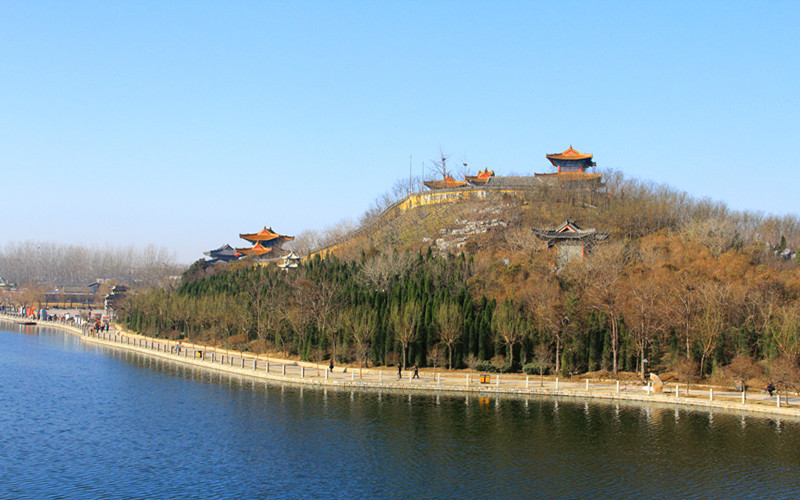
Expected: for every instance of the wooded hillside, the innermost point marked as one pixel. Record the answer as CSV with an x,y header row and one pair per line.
x,y
688,285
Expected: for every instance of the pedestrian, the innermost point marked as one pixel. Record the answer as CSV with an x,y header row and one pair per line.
x,y
770,389
331,365
416,372
399,371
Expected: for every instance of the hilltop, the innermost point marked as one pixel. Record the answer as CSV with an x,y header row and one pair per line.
x,y
501,225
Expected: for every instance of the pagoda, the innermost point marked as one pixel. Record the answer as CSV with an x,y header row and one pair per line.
x,y
481,179
225,253
571,165
265,243
569,242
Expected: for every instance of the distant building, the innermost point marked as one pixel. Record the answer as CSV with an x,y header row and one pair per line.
x,y
568,242
571,165
225,253
73,294
113,298
290,261
446,183
5,285
265,244
481,178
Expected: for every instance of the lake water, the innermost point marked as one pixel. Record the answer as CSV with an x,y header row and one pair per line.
x,y
81,421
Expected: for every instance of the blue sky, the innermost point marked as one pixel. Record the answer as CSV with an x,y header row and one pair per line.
x,y
185,123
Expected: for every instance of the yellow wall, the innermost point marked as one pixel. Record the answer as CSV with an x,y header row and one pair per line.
x,y
415,200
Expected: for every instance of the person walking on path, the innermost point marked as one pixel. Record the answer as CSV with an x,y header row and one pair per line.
x,y
416,372
399,371
331,365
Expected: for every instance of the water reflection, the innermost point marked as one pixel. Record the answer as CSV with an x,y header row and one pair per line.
x,y
245,436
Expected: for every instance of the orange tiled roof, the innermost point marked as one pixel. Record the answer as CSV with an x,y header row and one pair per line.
x,y
257,249
264,235
481,178
569,154
447,182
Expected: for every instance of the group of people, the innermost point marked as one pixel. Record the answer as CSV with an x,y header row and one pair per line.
x,y
399,370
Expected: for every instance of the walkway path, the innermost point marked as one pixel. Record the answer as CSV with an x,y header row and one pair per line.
x,y
283,370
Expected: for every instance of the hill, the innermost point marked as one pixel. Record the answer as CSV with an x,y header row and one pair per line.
x,y
679,284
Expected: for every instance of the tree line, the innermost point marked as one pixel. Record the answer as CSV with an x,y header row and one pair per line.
x,y
34,262
682,284
663,302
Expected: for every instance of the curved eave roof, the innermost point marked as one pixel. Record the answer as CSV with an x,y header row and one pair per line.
x,y
264,235
571,176
256,249
569,154
481,177
445,184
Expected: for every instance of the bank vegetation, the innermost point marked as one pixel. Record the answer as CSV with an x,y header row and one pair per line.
x,y
682,285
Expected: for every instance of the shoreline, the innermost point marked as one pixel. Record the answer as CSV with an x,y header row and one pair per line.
x,y
267,368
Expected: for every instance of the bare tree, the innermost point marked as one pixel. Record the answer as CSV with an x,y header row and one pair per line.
x,y
260,290
605,271
52,263
785,374
744,368
547,302
686,370
361,324
506,323
684,304
404,321
719,234
712,319
644,312
543,357
436,355
449,324
322,299
785,330
378,271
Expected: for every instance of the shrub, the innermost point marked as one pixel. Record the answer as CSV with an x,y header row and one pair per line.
x,y
493,366
472,362
531,369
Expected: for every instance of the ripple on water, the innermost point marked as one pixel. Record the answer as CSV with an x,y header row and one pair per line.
x,y
81,421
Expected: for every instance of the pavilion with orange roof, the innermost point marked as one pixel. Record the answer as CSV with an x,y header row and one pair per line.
x,y
481,179
571,165
447,183
265,243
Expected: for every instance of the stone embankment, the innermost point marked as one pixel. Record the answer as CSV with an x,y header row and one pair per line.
x,y
295,372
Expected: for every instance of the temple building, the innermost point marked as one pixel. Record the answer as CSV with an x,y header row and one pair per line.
x,y
447,183
265,244
569,242
481,179
290,261
571,165
225,253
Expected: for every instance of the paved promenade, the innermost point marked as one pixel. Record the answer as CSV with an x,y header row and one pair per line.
x,y
282,370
